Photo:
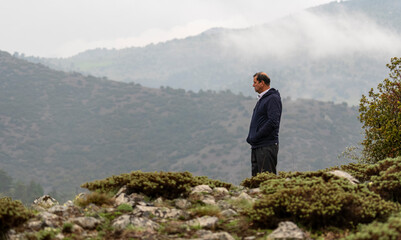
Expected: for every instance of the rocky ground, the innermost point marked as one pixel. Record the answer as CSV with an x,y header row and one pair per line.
x,y
205,214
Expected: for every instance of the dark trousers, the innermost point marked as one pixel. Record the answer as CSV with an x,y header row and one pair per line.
x,y
264,159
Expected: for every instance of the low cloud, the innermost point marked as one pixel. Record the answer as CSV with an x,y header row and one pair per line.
x,y
318,36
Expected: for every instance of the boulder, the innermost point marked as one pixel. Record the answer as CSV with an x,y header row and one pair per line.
x,y
345,175
127,219
203,222
86,222
286,231
45,201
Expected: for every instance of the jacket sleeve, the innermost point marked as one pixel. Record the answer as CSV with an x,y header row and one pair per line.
x,y
273,108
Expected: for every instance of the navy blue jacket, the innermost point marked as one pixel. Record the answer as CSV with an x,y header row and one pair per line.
x,y
265,122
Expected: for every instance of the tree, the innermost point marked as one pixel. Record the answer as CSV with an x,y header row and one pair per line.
x,y
5,181
380,115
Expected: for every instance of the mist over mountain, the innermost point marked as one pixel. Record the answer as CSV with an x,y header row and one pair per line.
x,y
62,129
334,52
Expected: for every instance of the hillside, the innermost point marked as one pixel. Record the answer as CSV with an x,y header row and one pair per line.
x,y
334,52
62,129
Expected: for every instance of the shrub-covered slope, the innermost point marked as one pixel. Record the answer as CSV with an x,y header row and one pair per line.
x,y
62,129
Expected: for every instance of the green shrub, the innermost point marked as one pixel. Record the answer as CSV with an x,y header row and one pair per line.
x,y
125,208
12,214
96,198
67,227
391,229
205,210
255,181
388,183
317,199
154,184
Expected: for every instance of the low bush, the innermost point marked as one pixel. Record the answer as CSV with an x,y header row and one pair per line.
x,y
317,199
96,198
154,184
254,182
12,214
391,229
388,183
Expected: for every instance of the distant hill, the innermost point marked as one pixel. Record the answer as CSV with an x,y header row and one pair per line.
x,y
63,129
334,52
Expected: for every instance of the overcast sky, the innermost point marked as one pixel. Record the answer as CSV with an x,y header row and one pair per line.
x,y
62,28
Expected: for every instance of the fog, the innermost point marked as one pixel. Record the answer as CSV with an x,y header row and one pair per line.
x,y
317,36
62,28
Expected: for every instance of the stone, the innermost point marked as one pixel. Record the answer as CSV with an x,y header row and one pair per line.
x,y
228,213
203,222
245,196
202,189
218,236
35,225
182,203
220,192
86,222
127,219
207,199
345,175
254,191
121,199
58,210
287,230
50,219
46,201
160,212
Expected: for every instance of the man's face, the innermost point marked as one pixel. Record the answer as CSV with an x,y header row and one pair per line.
x,y
257,85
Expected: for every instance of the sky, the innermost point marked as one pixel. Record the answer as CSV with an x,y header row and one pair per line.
x,y
63,28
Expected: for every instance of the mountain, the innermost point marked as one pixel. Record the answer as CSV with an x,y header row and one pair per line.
x,y
333,52
62,129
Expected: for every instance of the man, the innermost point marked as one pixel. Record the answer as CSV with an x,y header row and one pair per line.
x,y
264,127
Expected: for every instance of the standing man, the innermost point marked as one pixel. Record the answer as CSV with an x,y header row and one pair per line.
x,y
264,127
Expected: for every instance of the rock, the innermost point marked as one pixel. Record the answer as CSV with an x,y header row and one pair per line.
x,y
50,219
254,191
287,230
58,210
209,235
35,225
124,220
123,199
182,203
158,202
228,213
245,196
203,222
45,201
220,192
207,199
77,229
86,222
201,189
218,236
160,212
122,190
345,175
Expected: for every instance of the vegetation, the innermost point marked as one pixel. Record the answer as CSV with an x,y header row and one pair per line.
x,y
157,184
381,117
12,214
96,198
84,128
318,200
391,229
18,190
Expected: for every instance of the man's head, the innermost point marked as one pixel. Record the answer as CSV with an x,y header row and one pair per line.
x,y
261,82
